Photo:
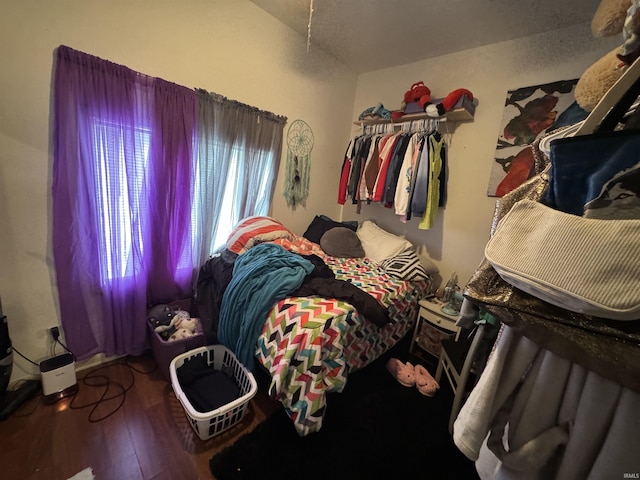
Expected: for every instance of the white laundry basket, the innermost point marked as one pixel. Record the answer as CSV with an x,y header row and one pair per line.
x,y
218,357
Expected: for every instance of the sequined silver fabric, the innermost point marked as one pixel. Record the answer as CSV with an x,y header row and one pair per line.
x,y
607,347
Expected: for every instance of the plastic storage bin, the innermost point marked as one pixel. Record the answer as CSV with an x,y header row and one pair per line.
x,y
164,351
212,423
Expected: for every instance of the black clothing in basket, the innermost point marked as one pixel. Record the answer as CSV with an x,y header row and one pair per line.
x,y
207,389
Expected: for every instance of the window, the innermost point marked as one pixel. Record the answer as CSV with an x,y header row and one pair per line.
x,y
119,186
229,215
136,210
225,216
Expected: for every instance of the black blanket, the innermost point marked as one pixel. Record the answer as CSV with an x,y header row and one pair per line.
x,y
216,274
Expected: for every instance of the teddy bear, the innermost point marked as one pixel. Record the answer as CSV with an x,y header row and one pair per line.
x,y
187,323
183,326
179,334
172,324
612,17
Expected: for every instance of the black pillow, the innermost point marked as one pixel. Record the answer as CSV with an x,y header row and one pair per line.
x,y
321,224
351,224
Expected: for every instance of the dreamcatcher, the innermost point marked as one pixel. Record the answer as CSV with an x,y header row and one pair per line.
x,y
300,143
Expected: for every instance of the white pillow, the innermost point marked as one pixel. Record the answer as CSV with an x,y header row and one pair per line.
x,y
379,244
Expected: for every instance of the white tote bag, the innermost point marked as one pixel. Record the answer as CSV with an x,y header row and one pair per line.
x,y
585,265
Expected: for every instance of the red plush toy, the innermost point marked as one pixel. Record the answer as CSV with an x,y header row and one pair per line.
x,y
447,103
416,92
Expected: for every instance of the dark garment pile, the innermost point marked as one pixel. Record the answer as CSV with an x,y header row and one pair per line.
x,y
213,278
322,282
216,274
207,389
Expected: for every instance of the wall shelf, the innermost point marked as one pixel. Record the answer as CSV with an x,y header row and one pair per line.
x,y
456,115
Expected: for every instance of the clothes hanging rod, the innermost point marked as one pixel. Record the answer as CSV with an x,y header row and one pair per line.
x,y
456,115
427,124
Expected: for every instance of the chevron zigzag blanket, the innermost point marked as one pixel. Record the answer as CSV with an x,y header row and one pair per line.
x,y
261,276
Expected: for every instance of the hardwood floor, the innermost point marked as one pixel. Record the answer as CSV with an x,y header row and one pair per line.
x,y
148,437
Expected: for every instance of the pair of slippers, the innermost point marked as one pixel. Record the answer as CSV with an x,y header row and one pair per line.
x,y
409,375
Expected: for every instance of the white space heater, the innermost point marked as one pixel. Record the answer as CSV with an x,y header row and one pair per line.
x,y
58,377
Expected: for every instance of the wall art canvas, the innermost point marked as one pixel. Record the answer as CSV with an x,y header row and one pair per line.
x,y
529,113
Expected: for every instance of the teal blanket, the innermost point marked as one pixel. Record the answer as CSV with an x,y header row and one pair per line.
x,y
263,275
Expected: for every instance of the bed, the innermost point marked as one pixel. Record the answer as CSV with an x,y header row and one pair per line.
x,y
310,344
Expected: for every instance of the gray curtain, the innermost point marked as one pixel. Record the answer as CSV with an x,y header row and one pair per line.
x,y
239,149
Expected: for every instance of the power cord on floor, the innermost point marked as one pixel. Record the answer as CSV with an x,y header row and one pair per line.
x,y
93,379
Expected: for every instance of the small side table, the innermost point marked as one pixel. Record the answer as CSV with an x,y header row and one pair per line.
x,y
432,327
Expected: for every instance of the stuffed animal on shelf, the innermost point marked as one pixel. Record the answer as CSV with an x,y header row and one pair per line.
x,y
612,17
446,104
412,99
417,91
419,96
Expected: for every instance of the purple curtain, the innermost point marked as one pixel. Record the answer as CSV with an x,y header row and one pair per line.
x,y
122,198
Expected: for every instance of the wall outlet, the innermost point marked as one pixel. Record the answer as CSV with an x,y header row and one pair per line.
x,y
54,333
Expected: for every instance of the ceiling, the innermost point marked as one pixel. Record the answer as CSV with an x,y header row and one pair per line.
x,y
370,35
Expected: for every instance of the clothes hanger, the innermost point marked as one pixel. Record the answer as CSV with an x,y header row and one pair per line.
x,y
545,143
615,103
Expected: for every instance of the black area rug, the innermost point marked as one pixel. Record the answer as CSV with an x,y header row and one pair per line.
x,y
374,429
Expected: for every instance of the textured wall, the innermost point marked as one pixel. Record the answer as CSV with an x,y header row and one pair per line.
x,y
456,242
231,47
